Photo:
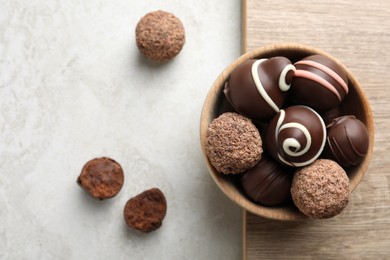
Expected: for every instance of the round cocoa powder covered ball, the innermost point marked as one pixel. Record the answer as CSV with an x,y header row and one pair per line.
x,y
233,143
321,189
160,35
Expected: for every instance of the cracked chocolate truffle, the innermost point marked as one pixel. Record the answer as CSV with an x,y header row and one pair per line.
x,y
257,88
146,211
268,183
319,83
296,136
347,141
233,143
102,178
160,35
321,189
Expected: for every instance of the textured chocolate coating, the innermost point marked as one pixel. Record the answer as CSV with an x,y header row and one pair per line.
x,y
160,35
261,94
296,136
347,141
146,211
321,189
102,178
233,143
319,83
268,183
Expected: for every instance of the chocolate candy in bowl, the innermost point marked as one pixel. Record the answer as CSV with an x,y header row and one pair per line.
x,y
347,141
257,88
268,183
318,76
296,136
354,103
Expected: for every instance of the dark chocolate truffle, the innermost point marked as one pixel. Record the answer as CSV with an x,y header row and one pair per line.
x,y
319,83
233,143
330,115
102,178
321,189
257,88
347,141
296,136
160,35
268,183
146,211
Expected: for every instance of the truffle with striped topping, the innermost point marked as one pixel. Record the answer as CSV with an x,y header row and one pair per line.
x,y
268,183
296,136
347,141
318,82
257,88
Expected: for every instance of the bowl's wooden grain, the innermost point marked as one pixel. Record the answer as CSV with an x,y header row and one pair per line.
x,y
215,103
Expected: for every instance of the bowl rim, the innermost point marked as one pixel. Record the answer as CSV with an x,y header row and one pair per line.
x,y
276,213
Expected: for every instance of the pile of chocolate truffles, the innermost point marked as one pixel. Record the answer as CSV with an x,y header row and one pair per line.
x,y
287,138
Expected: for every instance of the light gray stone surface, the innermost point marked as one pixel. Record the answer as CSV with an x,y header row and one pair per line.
x,y
74,87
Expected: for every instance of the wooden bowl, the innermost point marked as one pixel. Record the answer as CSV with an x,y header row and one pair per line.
x,y
215,104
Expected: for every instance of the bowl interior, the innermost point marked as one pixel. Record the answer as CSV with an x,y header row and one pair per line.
x,y
215,104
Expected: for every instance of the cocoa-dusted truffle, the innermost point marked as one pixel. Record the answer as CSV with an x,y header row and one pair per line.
x,y
268,183
102,178
321,189
319,82
160,35
296,136
347,141
257,88
233,143
146,211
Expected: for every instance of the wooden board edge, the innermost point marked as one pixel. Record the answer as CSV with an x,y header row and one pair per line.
x,y
243,233
243,26
243,50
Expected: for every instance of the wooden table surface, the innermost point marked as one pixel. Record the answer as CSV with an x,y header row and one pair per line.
x,y
358,34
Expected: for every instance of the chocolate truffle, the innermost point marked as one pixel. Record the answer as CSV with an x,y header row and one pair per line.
x,y
102,178
330,115
146,211
160,35
233,144
320,190
319,83
268,183
347,141
257,88
296,136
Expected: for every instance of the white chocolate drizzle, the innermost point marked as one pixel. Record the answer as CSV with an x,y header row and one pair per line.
x,y
260,87
282,78
291,146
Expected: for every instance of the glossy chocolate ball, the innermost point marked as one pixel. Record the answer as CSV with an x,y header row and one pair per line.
x,y
257,88
319,83
296,136
347,141
268,183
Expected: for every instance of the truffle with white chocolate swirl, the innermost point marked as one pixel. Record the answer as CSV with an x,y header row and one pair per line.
x,y
296,136
319,82
257,88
